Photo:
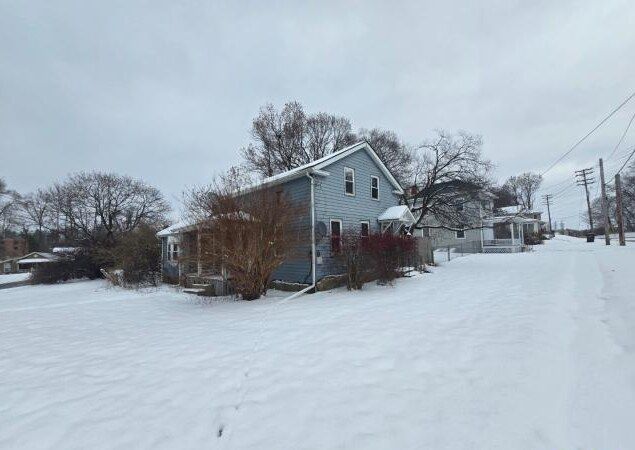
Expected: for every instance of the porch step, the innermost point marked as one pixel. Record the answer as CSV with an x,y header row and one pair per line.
x,y
194,291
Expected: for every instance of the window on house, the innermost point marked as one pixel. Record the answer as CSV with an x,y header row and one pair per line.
x,y
459,207
364,230
175,252
349,181
460,234
374,187
336,236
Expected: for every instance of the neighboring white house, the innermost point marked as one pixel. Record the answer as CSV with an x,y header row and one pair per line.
x,y
505,230
34,259
500,230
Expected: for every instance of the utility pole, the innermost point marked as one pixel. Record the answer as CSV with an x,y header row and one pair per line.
x,y
547,198
583,178
618,201
605,207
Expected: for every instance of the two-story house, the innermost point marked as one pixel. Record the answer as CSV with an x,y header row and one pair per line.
x,y
350,190
484,229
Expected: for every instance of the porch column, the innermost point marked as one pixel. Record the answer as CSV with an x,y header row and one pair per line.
x,y
512,227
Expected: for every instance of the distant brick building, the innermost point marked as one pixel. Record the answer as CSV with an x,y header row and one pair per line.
x,y
13,247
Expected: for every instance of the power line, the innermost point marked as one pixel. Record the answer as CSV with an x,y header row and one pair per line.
x,y
623,136
626,162
623,165
588,134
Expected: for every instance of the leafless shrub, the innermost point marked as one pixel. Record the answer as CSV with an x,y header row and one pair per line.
x,y
380,256
248,234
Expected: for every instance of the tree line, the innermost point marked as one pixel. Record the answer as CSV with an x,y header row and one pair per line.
x,y
91,211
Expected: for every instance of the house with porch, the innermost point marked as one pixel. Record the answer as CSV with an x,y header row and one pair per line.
x,y
33,260
489,230
350,191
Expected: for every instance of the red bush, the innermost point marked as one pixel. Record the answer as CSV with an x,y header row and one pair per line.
x,y
389,253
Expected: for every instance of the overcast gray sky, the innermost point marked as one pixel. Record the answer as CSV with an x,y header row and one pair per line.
x,y
166,91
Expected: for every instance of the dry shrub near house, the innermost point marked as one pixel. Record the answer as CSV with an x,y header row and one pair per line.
x,y
137,255
249,235
380,256
79,265
533,238
389,254
54,272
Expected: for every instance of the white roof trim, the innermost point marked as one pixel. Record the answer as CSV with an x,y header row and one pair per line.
x,y
177,228
315,167
35,260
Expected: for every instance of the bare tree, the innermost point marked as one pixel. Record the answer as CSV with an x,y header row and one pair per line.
x,y
524,187
99,206
35,212
394,153
449,174
628,198
628,203
283,140
504,196
9,202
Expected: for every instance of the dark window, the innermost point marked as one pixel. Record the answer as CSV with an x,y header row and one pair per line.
x,y
175,252
364,230
349,181
336,236
459,207
374,187
460,234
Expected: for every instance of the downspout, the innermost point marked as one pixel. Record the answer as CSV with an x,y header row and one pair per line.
x,y
313,257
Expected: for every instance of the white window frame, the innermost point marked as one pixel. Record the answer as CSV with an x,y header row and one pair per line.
x,y
374,177
456,234
346,169
367,222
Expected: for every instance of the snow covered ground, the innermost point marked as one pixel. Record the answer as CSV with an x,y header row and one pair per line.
x,y
518,351
13,277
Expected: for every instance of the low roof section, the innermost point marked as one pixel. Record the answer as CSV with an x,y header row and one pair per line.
x,y
37,258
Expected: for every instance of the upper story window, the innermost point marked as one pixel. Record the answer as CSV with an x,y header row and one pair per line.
x,y
349,181
374,187
459,207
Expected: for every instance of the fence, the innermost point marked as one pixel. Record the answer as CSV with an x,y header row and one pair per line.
x,y
447,252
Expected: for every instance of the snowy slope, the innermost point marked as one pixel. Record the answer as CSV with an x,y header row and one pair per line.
x,y
527,351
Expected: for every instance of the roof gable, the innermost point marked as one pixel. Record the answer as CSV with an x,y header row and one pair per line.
x,y
316,167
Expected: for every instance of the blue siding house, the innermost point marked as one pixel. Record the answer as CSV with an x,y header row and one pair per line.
x,y
350,190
